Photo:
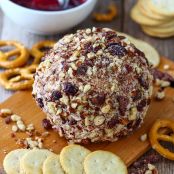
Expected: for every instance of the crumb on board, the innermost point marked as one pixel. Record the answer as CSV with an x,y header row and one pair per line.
x,y
160,95
143,137
166,67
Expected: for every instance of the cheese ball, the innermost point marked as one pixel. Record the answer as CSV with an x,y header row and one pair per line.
x,y
94,86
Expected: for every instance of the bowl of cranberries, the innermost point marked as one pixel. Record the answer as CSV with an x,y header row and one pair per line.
x,y
47,16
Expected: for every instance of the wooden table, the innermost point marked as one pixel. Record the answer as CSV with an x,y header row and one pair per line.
x,y
9,30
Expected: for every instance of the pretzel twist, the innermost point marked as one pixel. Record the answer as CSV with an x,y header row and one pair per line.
x,y
155,136
18,78
20,52
36,51
109,16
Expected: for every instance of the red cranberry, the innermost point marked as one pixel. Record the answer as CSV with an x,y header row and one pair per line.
x,y
110,35
46,124
116,50
46,4
70,89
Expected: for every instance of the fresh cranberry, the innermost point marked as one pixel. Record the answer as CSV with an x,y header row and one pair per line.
x,y
46,4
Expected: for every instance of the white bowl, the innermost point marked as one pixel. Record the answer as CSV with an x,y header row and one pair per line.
x,y
46,22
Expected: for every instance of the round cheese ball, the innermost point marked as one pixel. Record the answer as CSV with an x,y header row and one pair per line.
x,y
94,86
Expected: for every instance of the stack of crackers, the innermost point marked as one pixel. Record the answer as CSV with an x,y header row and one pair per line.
x,y
156,17
73,159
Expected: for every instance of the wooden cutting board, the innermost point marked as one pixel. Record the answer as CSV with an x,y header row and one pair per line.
x,y
129,148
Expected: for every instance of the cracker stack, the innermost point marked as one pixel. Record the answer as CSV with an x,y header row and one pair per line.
x,y
156,17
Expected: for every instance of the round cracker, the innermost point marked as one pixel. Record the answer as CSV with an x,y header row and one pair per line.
x,y
163,7
32,161
138,17
146,11
164,30
11,161
52,165
103,162
157,34
149,51
72,158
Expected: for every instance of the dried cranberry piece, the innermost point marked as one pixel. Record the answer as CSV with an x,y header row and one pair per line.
x,y
46,124
162,75
137,123
141,105
112,123
128,68
70,89
85,141
40,102
97,48
82,69
144,83
116,49
136,95
99,99
110,35
139,53
8,120
88,47
56,95
123,102
72,122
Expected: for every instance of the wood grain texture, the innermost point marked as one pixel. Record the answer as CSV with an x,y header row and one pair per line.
x,y
9,30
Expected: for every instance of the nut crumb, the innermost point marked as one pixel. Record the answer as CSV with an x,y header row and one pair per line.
x,y
14,128
160,95
143,137
166,67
